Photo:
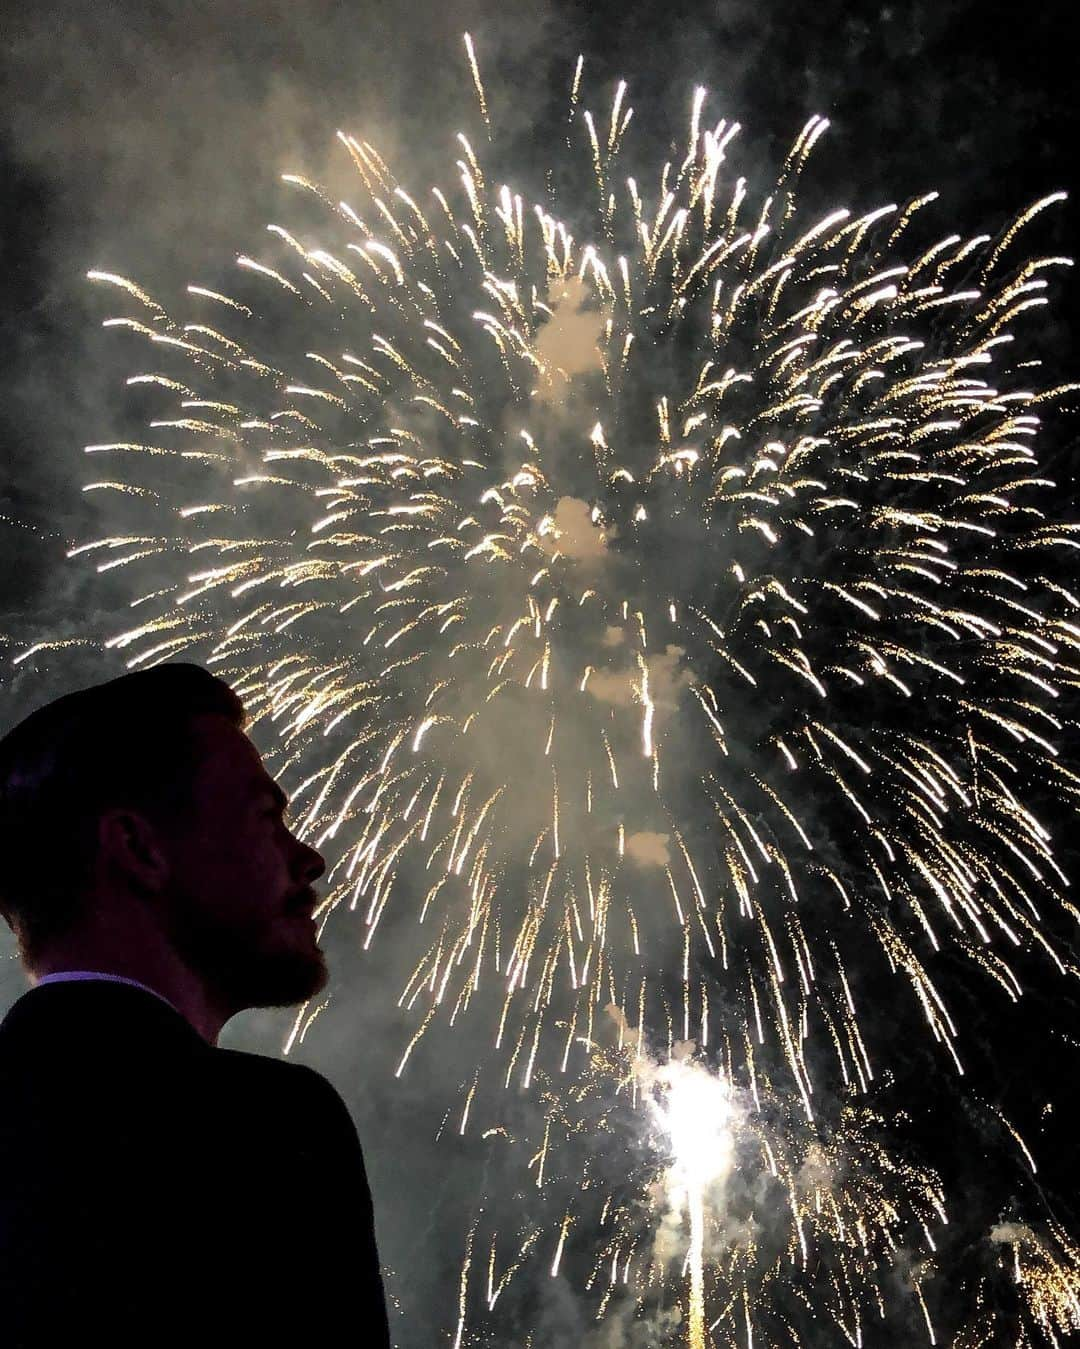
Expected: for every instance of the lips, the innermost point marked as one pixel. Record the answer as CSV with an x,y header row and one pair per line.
x,y
302,905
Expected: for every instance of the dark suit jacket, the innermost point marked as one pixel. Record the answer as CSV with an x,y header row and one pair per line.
x,y
157,1191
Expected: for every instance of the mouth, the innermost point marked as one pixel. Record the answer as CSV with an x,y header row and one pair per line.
x,y
303,905
306,928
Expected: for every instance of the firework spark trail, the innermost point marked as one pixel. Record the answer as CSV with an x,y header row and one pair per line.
x,y
696,1114
725,521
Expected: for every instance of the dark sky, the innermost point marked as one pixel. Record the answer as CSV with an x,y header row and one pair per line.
x,y
147,139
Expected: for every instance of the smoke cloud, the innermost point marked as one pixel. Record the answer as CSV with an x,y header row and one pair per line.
x,y
648,849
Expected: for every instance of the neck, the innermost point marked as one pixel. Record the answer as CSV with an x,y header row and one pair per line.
x,y
161,971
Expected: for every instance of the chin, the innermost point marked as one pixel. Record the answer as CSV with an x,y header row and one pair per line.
x,y
287,982
246,968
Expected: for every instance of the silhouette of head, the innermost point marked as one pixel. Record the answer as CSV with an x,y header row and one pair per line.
x,y
138,813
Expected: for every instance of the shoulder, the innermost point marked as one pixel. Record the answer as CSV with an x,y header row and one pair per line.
x,y
287,1074
264,1076
286,1110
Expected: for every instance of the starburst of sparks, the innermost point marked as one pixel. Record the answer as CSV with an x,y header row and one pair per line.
x,y
661,618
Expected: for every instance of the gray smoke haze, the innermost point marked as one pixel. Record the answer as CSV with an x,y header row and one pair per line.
x,y
149,139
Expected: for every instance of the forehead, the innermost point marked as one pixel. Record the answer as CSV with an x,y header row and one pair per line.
x,y
228,761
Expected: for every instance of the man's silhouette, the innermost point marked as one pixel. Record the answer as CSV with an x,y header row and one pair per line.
x,y
155,1189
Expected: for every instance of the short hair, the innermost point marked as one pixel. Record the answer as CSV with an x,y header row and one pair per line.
x,y
128,742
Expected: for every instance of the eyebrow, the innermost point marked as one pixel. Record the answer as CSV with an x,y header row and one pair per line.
x,y
280,799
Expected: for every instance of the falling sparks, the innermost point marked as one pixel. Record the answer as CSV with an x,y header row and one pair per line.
x,y
689,724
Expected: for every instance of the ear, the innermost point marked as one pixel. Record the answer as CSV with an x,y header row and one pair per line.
x,y
129,845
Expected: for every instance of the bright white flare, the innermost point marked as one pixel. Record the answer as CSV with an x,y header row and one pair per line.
x,y
695,1110
697,1114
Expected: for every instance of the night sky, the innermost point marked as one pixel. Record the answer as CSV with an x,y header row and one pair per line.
x,y
148,140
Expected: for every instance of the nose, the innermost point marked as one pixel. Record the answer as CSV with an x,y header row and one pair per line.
x,y
310,862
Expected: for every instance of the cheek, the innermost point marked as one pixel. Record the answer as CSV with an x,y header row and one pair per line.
x,y
236,866
261,863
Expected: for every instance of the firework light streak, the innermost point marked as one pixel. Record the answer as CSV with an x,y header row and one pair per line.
x,y
695,1111
651,613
